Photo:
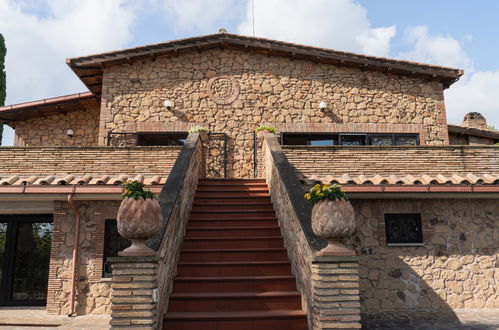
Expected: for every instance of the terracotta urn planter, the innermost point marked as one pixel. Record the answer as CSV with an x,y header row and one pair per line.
x,y
333,220
138,220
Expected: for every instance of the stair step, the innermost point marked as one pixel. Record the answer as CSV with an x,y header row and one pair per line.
x,y
233,188
255,254
243,232
202,207
234,284
234,301
232,242
240,320
232,214
232,194
233,200
234,268
230,181
247,223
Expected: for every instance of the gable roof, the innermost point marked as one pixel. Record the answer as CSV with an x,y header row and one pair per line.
x,y
484,133
90,68
51,106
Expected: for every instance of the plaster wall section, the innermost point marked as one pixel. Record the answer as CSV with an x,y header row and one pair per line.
x,y
456,267
234,92
52,130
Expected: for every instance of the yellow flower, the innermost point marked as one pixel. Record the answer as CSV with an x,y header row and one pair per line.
x,y
308,196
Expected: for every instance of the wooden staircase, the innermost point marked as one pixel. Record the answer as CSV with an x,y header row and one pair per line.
x,y
234,271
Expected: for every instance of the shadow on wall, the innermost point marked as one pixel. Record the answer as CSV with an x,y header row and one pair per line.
x,y
456,267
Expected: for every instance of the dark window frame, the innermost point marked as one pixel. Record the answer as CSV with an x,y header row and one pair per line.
x,y
106,269
390,218
337,137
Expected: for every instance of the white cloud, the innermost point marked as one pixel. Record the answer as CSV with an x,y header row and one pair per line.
x,y
426,48
200,14
377,40
336,24
476,93
40,35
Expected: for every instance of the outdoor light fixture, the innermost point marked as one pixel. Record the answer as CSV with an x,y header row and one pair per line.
x,y
70,132
322,105
168,104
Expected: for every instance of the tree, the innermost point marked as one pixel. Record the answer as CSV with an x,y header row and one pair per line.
x,y
3,80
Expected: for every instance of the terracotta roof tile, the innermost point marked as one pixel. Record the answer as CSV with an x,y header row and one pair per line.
x,y
424,179
70,179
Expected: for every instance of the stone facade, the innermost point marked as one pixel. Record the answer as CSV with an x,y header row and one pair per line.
x,y
233,92
93,292
455,268
51,130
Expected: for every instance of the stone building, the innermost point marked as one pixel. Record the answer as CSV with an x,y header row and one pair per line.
x,y
425,197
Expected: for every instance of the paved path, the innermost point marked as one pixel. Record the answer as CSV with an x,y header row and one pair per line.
x,y
35,318
461,319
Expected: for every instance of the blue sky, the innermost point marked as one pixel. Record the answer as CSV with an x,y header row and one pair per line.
x,y
40,34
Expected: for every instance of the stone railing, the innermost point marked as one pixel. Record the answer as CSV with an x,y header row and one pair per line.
x,y
328,285
176,200
392,160
28,161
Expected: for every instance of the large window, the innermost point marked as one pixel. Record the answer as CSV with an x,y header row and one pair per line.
x,y
113,243
349,139
161,139
25,242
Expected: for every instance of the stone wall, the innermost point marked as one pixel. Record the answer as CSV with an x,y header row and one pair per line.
x,y
87,160
94,292
234,91
392,160
51,130
455,268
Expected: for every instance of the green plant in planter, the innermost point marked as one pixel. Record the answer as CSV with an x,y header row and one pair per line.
x,y
135,190
266,128
325,191
198,129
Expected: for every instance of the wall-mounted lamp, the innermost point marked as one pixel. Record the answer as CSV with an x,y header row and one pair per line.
x,y
322,105
168,104
70,132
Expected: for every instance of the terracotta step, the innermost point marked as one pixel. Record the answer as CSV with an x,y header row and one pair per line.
x,y
270,231
232,214
232,242
201,207
232,223
233,188
234,268
232,194
230,181
235,284
255,254
232,200
243,320
234,301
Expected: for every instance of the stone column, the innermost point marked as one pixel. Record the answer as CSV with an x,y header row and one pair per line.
x,y
134,292
335,292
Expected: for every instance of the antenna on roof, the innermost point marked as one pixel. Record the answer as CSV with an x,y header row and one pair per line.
x,y
253,15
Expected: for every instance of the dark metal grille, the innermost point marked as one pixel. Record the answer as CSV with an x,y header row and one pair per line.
x,y
121,139
216,156
403,228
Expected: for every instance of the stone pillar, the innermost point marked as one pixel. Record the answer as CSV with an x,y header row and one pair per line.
x,y
335,292
134,292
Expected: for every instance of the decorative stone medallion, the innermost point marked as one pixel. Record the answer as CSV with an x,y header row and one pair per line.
x,y
223,89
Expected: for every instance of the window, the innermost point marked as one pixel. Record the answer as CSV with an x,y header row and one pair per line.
x,y
351,139
403,229
161,139
113,243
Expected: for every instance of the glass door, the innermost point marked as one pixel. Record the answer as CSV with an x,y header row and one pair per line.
x,y
25,242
